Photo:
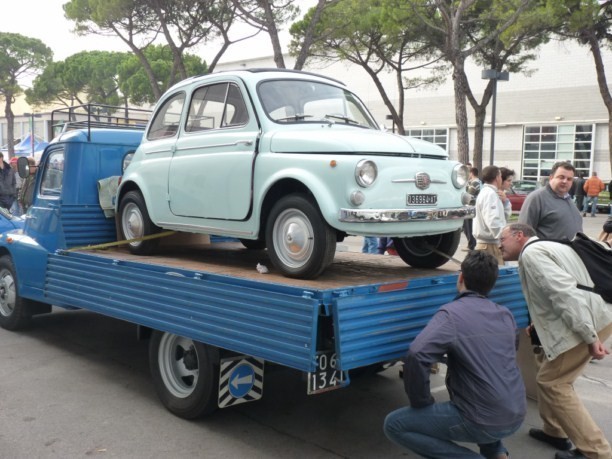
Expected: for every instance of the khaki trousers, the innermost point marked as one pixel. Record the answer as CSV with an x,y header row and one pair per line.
x,y
561,410
493,249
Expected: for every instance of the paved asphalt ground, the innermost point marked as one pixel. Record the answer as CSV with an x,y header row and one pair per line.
x,y
76,385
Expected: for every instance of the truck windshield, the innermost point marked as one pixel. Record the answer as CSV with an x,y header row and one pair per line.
x,y
304,101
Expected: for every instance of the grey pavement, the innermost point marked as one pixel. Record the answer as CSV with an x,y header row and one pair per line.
x,y
77,385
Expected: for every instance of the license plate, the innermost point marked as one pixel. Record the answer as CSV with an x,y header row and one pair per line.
x,y
421,199
326,377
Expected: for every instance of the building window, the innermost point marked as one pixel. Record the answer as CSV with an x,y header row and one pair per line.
x,y
437,136
545,145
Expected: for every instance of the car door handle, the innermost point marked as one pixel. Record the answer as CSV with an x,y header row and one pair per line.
x,y
248,143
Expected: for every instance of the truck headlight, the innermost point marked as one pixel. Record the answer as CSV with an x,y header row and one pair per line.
x,y
460,176
366,173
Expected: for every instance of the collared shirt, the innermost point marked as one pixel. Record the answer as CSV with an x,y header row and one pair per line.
x,y
563,315
550,215
479,338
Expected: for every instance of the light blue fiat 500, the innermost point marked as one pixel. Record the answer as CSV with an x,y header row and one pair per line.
x,y
292,162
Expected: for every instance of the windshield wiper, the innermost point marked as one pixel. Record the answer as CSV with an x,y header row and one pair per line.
x,y
296,117
346,119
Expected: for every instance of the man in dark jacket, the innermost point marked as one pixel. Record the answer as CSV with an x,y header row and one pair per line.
x,y
8,184
487,395
579,191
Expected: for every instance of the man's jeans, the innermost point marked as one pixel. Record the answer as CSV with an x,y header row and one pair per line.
x,y
431,431
593,199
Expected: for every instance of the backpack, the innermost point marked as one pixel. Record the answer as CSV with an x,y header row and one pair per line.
x,y
597,258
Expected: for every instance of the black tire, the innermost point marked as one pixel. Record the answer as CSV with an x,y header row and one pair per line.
x,y
253,244
135,223
185,374
15,311
416,251
300,242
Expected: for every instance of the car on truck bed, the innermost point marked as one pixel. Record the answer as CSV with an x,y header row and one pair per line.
x,y
292,162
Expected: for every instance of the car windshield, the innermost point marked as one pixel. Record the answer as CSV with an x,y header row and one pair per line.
x,y
304,101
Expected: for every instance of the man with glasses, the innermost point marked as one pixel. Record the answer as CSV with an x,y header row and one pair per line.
x,y
572,326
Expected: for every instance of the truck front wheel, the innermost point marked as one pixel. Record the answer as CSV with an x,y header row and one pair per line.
x,y
300,242
185,374
15,311
418,253
136,224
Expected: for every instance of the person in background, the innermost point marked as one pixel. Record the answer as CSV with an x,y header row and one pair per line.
x,y
610,191
579,193
385,245
8,184
507,176
490,218
477,339
473,187
592,187
370,244
16,208
572,326
549,210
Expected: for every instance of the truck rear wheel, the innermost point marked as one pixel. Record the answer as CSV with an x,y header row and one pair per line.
x,y
300,242
418,253
185,374
135,223
15,311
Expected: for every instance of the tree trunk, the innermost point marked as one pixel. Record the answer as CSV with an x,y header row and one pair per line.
x,y
463,141
603,87
10,125
480,117
309,35
279,60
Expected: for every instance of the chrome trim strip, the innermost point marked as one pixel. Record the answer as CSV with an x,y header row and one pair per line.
x,y
404,215
414,180
247,143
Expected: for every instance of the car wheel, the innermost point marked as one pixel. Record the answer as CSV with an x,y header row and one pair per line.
x,y
418,253
136,224
300,243
15,311
185,374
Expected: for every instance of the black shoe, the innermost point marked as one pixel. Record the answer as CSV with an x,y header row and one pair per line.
x,y
573,453
556,442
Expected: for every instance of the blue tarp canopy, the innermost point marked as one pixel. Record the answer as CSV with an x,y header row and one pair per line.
x,y
24,148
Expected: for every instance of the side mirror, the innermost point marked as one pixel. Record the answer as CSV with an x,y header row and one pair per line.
x,y
23,167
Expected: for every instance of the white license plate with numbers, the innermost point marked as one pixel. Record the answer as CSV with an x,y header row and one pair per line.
x,y
421,199
327,377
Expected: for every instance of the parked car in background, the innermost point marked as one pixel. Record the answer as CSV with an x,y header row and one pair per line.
x,y
517,198
525,186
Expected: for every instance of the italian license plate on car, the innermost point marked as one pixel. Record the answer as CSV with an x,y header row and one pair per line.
x,y
421,199
326,377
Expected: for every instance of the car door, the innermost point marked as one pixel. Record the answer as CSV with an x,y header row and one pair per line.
x,y
211,168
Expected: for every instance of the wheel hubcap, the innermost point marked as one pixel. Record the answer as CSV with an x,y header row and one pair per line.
x,y
7,293
293,238
133,226
178,364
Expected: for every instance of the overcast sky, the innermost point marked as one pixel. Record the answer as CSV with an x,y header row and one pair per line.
x,y
44,19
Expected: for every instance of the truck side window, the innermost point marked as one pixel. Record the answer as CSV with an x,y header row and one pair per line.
x,y
167,119
52,179
214,106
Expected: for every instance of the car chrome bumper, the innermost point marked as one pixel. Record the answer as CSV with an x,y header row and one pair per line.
x,y
404,215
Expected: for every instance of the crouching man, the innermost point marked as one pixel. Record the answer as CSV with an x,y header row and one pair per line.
x,y
477,339
572,325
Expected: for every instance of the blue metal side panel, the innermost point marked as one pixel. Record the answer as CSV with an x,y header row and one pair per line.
x,y
86,225
378,326
242,316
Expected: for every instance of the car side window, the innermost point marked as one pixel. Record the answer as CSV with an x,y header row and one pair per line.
x,y
53,173
167,119
216,106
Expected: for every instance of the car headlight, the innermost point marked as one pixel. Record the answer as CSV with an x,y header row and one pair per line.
x,y
460,176
127,159
366,173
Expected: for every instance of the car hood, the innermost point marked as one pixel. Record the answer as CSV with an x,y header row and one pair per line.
x,y
10,223
340,139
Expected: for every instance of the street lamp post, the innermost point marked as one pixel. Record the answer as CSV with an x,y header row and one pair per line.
x,y
492,74
32,116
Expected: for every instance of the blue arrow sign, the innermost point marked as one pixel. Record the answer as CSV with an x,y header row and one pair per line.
x,y
241,380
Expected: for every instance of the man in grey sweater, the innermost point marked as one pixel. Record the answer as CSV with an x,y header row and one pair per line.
x,y
550,210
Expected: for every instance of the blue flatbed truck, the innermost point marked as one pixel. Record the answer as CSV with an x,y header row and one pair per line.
x,y
214,322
